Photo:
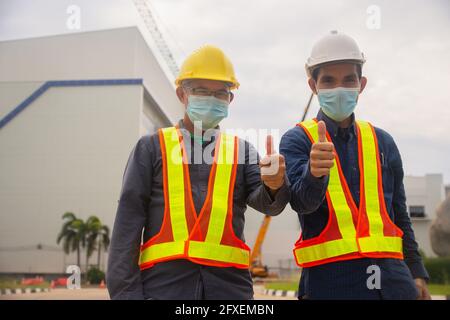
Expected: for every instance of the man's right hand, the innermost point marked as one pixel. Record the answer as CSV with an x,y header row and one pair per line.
x,y
321,158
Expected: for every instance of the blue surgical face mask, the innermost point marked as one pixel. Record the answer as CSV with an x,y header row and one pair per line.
x,y
338,103
207,109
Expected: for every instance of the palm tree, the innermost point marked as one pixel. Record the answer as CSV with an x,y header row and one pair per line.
x,y
97,236
92,225
72,234
90,234
103,241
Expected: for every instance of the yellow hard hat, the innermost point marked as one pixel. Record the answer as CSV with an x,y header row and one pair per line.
x,y
208,62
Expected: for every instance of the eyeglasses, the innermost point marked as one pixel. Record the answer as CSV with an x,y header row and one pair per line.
x,y
219,94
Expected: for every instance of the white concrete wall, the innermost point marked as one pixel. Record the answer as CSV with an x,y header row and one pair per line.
x,y
151,118
13,93
106,54
428,191
65,152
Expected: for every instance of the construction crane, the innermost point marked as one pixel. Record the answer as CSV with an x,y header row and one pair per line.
x,y
257,267
144,9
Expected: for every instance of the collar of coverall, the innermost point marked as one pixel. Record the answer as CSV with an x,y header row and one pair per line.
x,y
206,139
332,126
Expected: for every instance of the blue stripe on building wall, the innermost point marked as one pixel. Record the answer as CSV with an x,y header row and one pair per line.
x,y
64,83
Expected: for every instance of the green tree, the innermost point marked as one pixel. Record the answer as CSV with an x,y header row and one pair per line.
x,y
72,234
103,242
90,234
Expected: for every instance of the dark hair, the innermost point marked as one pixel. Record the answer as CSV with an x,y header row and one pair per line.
x,y
315,72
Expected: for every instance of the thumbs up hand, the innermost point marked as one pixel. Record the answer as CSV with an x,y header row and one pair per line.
x,y
321,158
272,167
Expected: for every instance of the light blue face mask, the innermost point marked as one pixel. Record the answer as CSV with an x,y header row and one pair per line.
x,y
206,109
338,103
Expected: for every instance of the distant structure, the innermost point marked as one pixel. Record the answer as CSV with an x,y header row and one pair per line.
x,y
440,229
424,194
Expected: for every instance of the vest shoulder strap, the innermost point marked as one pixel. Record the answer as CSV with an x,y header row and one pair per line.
x,y
310,127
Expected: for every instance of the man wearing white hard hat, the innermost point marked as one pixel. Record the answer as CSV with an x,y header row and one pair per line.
x,y
347,188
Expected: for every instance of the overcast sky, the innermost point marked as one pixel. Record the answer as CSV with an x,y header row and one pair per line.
x,y
268,41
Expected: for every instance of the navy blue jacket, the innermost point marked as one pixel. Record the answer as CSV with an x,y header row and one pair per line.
x,y
348,279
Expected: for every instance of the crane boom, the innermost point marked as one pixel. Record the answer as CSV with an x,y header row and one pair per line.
x,y
143,7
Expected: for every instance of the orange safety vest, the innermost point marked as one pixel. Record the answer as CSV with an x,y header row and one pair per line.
x,y
351,232
206,238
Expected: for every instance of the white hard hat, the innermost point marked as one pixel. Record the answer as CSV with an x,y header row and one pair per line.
x,y
334,47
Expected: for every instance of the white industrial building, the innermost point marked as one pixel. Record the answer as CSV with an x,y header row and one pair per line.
x,y
424,195
71,109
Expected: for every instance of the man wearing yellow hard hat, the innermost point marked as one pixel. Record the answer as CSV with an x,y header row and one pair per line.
x,y
185,191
